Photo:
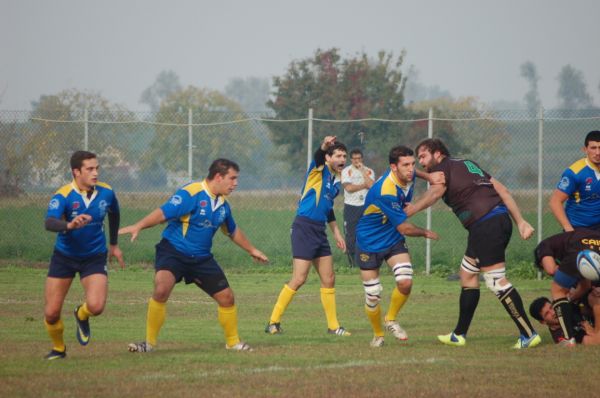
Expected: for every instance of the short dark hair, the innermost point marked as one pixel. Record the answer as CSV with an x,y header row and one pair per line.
x,y
398,151
535,309
592,136
337,146
433,145
78,157
221,167
356,151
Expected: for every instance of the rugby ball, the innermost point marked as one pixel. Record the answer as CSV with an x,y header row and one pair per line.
x,y
588,264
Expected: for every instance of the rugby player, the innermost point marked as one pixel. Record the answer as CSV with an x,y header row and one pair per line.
x,y
483,205
76,212
309,236
194,214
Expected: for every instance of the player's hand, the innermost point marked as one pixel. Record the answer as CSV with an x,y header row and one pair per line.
x,y
431,235
259,256
115,252
327,142
595,291
80,221
409,209
340,242
589,330
436,178
131,229
526,230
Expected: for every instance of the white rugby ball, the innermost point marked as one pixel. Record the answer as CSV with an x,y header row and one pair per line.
x,y
588,264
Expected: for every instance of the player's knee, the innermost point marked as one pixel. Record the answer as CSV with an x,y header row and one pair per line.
x,y
403,273
404,286
496,280
95,307
468,265
373,289
224,298
52,317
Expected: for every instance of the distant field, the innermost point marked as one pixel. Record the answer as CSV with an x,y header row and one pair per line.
x,y
265,219
303,362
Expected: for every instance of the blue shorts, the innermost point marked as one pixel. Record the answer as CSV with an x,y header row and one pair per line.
x,y
62,266
309,239
565,280
205,272
367,260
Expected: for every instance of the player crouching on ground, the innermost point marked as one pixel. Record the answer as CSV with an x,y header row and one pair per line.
x,y
194,214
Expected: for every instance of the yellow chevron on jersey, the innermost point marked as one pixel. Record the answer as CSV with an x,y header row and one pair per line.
x,y
579,165
320,189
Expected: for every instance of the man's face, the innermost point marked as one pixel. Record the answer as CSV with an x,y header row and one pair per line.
x,y
87,177
404,169
592,152
356,159
426,159
548,315
337,160
226,184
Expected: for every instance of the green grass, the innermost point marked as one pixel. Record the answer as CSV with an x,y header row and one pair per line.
x,y
304,361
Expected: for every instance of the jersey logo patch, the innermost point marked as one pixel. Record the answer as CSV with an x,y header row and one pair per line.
x,y
364,257
564,183
75,205
175,200
53,205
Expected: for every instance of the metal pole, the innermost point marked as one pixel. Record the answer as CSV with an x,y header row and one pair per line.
x,y
190,143
309,139
540,224
85,129
427,241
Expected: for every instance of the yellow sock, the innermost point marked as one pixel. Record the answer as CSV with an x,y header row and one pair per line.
x,y
285,297
157,312
83,313
229,322
328,301
374,315
396,303
55,331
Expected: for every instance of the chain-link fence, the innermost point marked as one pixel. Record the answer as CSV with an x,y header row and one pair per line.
x,y
146,156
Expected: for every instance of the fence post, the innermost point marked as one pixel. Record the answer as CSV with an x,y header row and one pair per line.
x,y
85,129
540,223
190,144
427,241
309,139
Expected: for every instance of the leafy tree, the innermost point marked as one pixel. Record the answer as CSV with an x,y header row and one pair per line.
x,y
166,83
532,98
251,93
170,145
416,91
572,90
59,131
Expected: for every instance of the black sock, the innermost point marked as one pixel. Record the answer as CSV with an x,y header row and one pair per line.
x,y
513,304
469,298
564,314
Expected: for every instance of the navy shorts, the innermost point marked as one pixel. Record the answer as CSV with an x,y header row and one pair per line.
x,y
309,239
488,240
62,266
205,272
366,260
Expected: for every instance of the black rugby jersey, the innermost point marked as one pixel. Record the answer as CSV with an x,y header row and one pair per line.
x,y
469,191
565,246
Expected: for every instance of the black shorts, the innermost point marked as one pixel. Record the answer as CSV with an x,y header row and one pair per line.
x,y
366,260
205,272
309,239
62,266
488,240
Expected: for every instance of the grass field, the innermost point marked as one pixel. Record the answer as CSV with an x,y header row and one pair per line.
x,y
304,361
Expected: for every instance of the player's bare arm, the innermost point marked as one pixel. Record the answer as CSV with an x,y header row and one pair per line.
x,y
79,222
340,242
408,229
239,238
432,195
525,229
556,204
437,177
156,217
115,252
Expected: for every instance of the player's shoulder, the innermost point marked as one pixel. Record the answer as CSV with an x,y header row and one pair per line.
x,y
103,185
578,166
193,188
64,191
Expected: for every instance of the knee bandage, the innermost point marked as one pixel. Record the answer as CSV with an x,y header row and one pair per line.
x,y
492,280
402,271
373,291
468,266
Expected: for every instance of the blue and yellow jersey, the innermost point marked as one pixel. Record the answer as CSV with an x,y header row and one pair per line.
x,y
581,182
69,202
382,213
194,215
321,187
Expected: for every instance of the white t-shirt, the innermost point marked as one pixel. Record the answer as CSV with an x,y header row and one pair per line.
x,y
352,175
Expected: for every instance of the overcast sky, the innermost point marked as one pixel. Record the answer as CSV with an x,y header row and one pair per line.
x,y
117,47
